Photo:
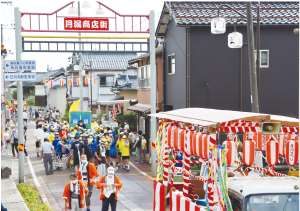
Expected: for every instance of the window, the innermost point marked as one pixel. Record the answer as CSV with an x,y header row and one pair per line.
x,y
171,64
264,58
106,80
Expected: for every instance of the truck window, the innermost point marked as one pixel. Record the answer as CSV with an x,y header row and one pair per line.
x,y
273,202
235,203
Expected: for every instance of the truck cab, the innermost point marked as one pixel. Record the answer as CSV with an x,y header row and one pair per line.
x,y
264,193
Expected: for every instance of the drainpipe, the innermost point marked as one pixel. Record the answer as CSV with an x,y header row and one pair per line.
x,y
188,66
241,76
163,76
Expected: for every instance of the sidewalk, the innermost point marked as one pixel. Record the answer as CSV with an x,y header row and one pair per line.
x,y
11,197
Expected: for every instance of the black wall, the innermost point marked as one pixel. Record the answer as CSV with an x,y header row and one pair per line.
x,y
215,71
175,88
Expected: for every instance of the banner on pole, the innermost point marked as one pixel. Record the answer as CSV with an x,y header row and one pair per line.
x,y
21,147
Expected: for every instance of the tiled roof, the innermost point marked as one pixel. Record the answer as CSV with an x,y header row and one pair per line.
x,y
107,61
40,76
201,13
158,50
125,82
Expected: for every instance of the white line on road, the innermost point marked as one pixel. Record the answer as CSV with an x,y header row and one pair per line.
x,y
143,173
37,183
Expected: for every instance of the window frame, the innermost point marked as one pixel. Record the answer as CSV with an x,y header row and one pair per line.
x,y
105,85
170,64
268,58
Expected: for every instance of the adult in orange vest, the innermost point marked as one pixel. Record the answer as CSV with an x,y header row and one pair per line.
x,y
73,194
88,173
109,197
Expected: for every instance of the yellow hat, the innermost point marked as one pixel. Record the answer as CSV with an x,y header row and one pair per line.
x,y
52,129
71,128
76,126
63,127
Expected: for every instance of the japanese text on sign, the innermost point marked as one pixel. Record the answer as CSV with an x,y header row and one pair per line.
x,y
86,24
19,76
17,65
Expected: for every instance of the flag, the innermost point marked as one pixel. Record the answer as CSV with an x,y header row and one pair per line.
x,y
94,82
46,83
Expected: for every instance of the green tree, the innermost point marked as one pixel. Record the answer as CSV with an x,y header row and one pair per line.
x,y
66,115
7,102
31,101
131,118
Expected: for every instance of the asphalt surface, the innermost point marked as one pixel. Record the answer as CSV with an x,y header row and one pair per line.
x,y
136,193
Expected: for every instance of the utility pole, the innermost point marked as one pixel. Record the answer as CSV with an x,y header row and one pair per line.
x,y
18,37
153,91
253,75
91,82
80,68
257,47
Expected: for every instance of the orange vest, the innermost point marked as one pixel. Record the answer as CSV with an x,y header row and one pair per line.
x,y
66,194
92,172
102,180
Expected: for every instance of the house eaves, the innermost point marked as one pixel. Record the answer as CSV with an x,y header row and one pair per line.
x,y
274,14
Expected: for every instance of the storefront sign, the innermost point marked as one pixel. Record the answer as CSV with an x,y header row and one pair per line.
x,y
86,24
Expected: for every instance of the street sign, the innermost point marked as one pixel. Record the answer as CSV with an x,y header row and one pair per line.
x,y
19,76
17,65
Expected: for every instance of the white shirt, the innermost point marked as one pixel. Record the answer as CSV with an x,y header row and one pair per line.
x,y
126,127
24,115
38,133
43,136
6,135
46,147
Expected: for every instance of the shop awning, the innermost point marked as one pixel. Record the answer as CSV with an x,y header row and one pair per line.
x,y
108,102
206,117
139,107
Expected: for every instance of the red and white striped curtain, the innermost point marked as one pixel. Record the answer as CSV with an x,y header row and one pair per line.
x,y
180,203
159,196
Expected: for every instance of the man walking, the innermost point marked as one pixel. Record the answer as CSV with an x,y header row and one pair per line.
x,y
88,173
138,145
46,150
14,140
37,135
76,146
109,198
74,194
100,156
25,116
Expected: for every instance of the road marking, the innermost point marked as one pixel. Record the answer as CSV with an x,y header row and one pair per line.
x,y
37,183
143,173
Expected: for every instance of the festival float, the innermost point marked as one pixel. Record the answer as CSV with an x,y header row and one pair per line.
x,y
254,144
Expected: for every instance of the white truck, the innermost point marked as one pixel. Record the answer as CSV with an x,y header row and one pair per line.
x,y
264,193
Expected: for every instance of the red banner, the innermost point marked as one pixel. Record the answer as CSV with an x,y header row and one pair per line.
x,y
118,106
113,113
86,23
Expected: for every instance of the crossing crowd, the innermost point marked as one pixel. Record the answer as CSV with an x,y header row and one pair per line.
x,y
94,154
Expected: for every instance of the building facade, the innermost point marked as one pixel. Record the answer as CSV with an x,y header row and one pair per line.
x,y
202,71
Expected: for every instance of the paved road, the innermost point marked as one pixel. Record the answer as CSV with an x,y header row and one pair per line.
x,y
136,194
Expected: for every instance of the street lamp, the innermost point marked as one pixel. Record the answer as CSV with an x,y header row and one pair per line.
x,y
86,4
218,25
235,39
99,10
72,11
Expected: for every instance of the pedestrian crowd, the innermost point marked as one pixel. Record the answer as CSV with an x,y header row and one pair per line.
x,y
95,154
